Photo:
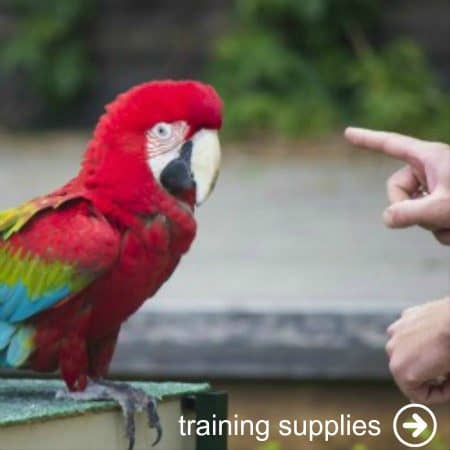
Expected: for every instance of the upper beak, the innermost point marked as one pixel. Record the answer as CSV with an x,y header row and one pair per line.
x,y
177,176
197,166
205,162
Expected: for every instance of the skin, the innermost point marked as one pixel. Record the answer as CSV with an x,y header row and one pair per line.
x,y
419,352
419,194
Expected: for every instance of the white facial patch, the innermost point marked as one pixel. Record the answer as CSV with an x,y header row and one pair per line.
x,y
164,141
159,162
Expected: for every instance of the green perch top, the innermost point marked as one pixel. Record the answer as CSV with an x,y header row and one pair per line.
x,y
28,400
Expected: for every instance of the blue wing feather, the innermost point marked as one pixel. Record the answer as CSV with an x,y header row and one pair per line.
x,y
25,307
33,280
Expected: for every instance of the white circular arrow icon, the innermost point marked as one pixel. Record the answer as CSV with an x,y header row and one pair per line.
x,y
418,425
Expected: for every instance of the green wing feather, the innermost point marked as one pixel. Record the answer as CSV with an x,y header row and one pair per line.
x,y
30,283
12,220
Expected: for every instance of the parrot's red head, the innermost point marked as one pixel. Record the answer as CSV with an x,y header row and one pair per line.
x,y
161,131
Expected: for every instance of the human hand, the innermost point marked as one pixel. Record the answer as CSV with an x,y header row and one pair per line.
x,y
419,193
419,352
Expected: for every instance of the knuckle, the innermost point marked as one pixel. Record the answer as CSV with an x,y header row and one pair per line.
x,y
418,397
409,377
392,329
403,375
391,187
391,180
395,368
389,347
396,217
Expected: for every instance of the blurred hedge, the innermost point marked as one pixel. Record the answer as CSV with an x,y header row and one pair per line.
x,y
298,68
287,67
49,50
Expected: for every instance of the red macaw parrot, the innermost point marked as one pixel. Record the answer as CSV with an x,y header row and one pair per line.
x,y
76,263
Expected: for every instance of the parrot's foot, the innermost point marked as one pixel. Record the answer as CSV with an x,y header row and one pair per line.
x,y
130,400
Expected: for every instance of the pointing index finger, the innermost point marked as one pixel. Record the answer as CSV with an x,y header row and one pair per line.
x,y
396,145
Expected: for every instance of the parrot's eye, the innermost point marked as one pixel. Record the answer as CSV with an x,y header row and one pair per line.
x,y
162,130
164,142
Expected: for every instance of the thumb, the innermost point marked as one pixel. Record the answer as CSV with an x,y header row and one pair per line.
x,y
426,211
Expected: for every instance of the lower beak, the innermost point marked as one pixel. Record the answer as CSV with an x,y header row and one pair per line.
x,y
177,176
205,162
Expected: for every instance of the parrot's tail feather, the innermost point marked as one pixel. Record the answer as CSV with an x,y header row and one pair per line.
x,y
16,344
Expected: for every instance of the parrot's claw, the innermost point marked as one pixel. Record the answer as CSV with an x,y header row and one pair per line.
x,y
130,400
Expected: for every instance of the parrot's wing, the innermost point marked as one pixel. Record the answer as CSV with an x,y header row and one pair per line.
x,y
14,219
49,252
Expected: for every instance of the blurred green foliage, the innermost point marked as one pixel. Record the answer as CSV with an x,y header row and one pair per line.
x,y
48,46
360,447
271,446
292,68
436,444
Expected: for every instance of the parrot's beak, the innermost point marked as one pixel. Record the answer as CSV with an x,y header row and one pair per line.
x,y
205,162
196,167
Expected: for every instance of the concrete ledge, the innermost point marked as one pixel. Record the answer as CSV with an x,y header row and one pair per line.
x,y
288,345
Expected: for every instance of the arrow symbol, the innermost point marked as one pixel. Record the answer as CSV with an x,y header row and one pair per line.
x,y
419,425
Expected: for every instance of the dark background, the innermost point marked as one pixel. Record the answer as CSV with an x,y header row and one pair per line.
x,y
125,42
